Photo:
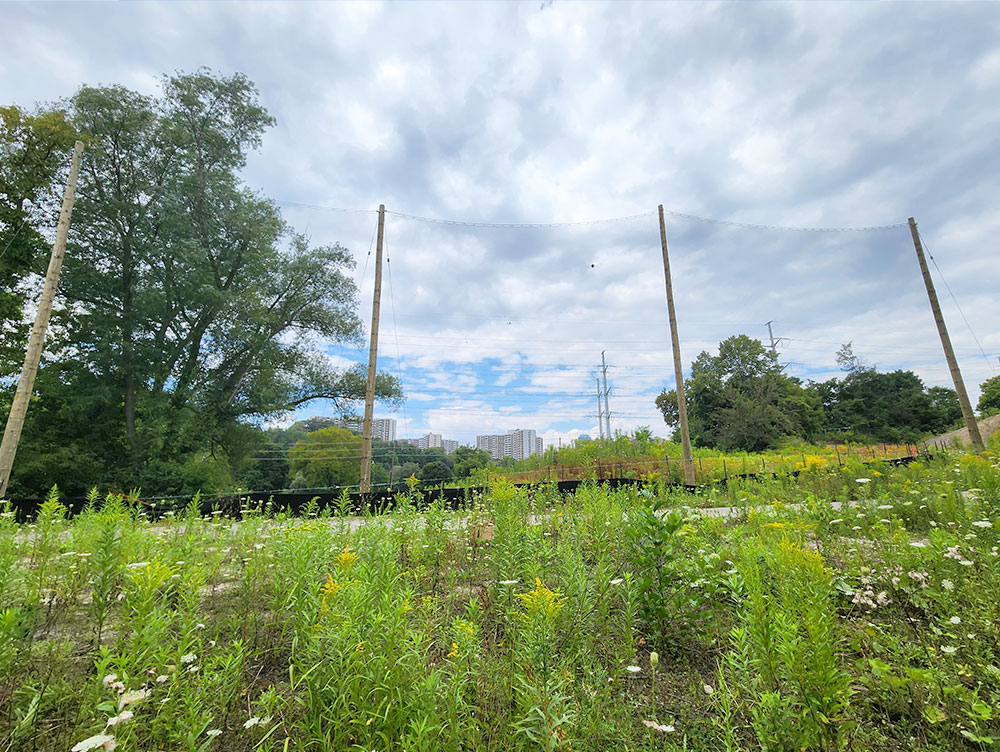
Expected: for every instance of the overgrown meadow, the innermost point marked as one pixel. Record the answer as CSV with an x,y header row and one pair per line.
x,y
849,607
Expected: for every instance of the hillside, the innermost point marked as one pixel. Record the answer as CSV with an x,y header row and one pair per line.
x,y
987,427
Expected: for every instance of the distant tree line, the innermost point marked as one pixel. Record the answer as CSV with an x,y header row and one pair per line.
x,y
320,453
741,399
189,311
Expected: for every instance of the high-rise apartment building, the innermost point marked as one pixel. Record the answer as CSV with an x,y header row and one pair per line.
x,y
517,443
449,446
384,429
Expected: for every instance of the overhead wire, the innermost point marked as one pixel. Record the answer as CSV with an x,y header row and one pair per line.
x,y
955,300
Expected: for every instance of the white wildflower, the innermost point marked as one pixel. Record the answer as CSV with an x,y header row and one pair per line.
x,y
508,583
110,679
965,563
252,722
123,717
136,695
213,732
189,658
862,480
617,581
137,565
948,649
709,689
982,523
98,740
947,584
955,620
663,728
633,669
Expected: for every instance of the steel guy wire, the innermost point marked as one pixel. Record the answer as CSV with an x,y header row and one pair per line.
x,y
948,287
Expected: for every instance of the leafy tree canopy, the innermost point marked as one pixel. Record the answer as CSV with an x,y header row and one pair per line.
x,y
989,400
192,308
740,399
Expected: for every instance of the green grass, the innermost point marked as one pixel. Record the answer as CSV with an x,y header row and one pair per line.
x,y
526,622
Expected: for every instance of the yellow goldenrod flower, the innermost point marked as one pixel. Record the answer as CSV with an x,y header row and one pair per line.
x,y
346,558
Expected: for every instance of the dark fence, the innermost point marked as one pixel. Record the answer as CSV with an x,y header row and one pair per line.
x,y
376,502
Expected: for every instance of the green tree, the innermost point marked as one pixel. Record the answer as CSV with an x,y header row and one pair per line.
x,y
434,473
328,457
33,161
740,399
468,460
867,405
989,400
191,303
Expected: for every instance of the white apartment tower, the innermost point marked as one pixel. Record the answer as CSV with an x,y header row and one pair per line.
x,y
384,429
517,443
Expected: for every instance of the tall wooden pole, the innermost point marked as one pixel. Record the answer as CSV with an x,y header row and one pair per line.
x,y
26,382
678,367
366,428
949,353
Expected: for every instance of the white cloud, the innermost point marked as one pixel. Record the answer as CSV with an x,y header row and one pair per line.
x,y
789,114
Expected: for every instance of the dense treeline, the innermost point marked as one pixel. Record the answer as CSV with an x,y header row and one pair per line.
x,y
189,312
741,399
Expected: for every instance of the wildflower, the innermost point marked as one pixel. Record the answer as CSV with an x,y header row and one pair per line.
x,y
965,563
110,679
919,544
123,717
161,678
508,583
836,521
955,620
862,480
137,565
346,558
252,722
192,669
136,695
947,584
948,649
633,669
982,523
105,741
213,732
118,687
666,729
454,651
617,581
709,690
885,506
199,625
189,658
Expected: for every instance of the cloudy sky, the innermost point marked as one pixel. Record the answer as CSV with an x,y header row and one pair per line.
x,y
741,119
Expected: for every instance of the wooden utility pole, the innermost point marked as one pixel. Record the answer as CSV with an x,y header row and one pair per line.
x,y
678,367
949,353
366,428
26,382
